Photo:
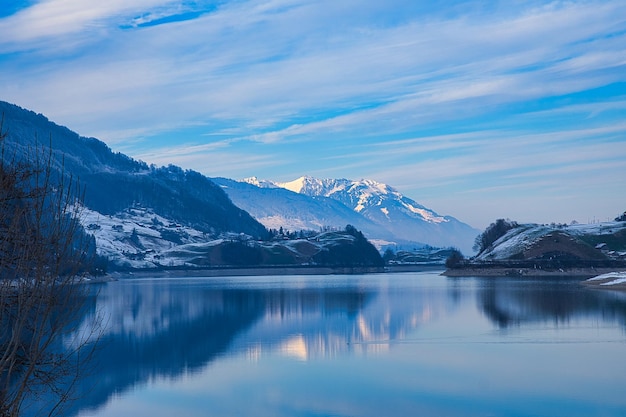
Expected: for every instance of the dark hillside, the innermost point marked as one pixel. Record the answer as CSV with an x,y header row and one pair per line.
x,y
560,245
114,182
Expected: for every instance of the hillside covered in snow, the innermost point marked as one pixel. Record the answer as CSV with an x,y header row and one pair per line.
x,y
138,238
576,245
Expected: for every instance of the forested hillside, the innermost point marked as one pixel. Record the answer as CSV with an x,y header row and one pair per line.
x,y
113,181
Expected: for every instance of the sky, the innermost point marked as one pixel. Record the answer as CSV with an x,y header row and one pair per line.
x,y
475,109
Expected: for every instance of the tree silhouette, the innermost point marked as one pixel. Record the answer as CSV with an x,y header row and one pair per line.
x,y
42,252
492,233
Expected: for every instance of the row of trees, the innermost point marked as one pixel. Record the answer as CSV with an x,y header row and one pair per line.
x,y
280,233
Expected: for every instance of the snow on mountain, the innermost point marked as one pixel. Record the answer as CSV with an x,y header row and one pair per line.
x,y
385,215
276,207
612,278
387,207
259,183
372,199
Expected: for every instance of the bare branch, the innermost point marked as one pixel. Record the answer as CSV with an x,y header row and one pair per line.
x,y
42,254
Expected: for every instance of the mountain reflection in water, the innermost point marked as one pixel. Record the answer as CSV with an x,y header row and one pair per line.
x,y
170,328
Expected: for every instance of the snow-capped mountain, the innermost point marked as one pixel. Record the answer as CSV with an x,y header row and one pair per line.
x,y
373,199
380,211
276,207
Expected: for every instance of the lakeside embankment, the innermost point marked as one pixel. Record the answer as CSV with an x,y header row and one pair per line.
x,y
242,272
263,271
602,278
590,277
530,272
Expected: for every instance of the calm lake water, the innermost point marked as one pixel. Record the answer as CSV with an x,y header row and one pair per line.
x,y
408,344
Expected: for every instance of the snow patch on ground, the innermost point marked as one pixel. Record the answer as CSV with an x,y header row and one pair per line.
x,y
615,282
514,241
148,248
291,223
612,278
139,238
608,276
382,243
595,228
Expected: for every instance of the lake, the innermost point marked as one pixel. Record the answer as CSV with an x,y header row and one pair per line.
x,y
357,345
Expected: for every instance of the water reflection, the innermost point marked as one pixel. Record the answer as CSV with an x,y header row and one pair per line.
x,y
510,303
170,328
175,328
308,324
157,331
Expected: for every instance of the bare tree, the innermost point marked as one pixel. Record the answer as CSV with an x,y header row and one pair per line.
x,y
42,254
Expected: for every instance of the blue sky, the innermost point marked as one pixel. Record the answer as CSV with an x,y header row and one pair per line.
x,y
477,109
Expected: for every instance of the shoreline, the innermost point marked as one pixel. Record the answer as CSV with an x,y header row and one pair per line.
x,y
525,272
262,271
583,273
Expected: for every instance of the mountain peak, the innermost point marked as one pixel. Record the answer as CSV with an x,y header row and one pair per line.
x,y
259,183
299,184
326,187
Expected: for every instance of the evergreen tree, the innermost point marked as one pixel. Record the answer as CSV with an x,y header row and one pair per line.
x,y
455,259
389,255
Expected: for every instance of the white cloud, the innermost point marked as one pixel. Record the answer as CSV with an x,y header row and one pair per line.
x,y
49,19
253,62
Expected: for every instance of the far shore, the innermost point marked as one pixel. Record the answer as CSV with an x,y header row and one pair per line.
x,y
583,273
525,272
262,271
